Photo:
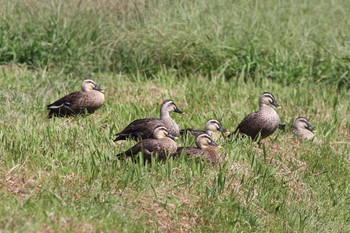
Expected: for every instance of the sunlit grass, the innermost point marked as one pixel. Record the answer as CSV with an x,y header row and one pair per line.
x,y
56,173
213,59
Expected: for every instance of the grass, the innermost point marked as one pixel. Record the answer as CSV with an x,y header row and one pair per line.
x,y
286,41
213,59
56,175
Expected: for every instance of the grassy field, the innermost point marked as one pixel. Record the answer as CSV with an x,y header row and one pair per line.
x,y
213,60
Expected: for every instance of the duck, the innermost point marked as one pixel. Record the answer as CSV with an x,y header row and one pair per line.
x,y
303,129
261,124
206,149
144,128
211,128
87,100
162,144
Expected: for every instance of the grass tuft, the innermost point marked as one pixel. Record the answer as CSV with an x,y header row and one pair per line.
x,y
213,59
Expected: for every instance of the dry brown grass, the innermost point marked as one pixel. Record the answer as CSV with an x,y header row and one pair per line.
x,y
168,209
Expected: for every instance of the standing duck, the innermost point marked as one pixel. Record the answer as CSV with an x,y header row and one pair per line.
x,y
211,128
205,149
263,122
144,128
89,99
162,144
303,129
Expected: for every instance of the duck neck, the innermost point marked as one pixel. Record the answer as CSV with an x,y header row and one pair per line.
x,y
209,132
264,106
164,114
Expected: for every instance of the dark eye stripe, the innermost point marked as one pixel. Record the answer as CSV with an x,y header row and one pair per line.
x,y
206,136
270,96
302,118
168,102
171,103
161,128
304,121
214,122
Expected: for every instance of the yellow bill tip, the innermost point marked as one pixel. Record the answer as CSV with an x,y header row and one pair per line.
x,y
227,133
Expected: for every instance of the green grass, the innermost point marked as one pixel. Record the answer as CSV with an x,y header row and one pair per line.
x,y
56,174
286,41
213,60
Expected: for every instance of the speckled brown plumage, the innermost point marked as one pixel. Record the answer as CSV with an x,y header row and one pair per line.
x,y
143,128
162,145
211,128
205,149
263,122
88,100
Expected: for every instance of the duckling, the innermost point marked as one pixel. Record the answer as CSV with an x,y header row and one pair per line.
x,y
205,149
263,122
162,144
303,129
143,128
89,99
211,128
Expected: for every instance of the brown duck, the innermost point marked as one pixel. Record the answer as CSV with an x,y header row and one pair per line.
x,y
88,100
144,128
303,129
211,128
162,145
205,149
263,122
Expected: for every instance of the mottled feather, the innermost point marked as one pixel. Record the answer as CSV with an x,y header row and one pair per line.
x,y
143,128
88,100
162,144
263,122
205,149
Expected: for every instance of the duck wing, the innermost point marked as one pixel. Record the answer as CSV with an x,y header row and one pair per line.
x,y
67,105
141,128
249,126
189,151
147,146
194,132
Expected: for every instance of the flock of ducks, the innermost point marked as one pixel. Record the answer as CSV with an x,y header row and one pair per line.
x,y
156,136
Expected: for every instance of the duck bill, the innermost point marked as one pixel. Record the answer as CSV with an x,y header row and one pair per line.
x,y
97,88
274,103
225,131
172,136
178,111
214,144
312,129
